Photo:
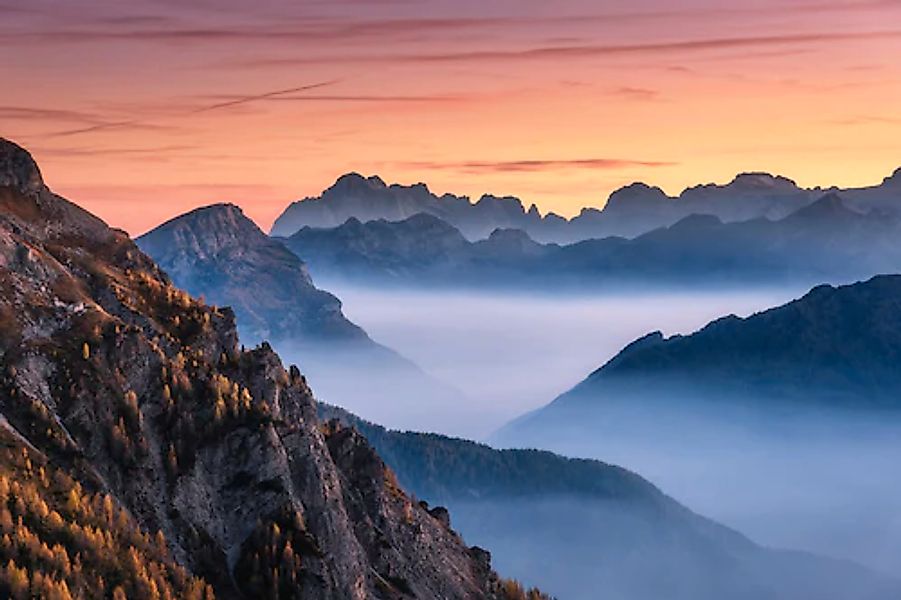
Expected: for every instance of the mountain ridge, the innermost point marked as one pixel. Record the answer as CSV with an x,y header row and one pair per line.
x,y
824,240
629,211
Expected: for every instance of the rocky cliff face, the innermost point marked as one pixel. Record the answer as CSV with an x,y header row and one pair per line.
x,y
140,396
219,253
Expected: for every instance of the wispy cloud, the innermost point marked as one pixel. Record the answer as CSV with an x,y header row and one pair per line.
x,y
576,51
595,50
424,98
27,113
636,94
152,122
535,165
69,152
247,99
866,120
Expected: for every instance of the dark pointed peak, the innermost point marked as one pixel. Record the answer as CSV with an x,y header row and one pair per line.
x,y
639,187
649,340
762,180
830,206
533,211
502,200
636,195
418,188
18,170
510,236
695,221
354,182
894,179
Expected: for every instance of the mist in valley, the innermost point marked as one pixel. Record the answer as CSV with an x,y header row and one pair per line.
x,y
814,482
512,353
811,479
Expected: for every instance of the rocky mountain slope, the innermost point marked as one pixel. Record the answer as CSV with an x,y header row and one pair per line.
x,y
219,254
826,240
628,212
146,455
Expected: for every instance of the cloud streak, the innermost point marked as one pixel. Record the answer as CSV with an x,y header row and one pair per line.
x,y
580,51
536,165
143,123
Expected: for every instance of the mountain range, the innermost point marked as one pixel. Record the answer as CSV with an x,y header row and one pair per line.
x,y
628,212
217,253
825,240
146,455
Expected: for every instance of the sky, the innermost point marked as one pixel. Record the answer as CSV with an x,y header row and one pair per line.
x,y
142,110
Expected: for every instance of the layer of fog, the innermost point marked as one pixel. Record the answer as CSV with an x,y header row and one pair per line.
x,y
379,385
587,548
513,353
813,480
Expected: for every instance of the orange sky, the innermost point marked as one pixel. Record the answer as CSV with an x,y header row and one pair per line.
x,y
142,110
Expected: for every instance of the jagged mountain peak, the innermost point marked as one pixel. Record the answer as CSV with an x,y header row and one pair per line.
x,y
636,196
510,236
210,230
355,182
829,206
763,180
18,169
894,179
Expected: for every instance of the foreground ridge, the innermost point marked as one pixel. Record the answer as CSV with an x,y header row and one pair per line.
x,y
146,455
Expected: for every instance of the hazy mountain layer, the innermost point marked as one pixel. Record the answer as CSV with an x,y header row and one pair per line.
x,y
823,241
629,212
606,528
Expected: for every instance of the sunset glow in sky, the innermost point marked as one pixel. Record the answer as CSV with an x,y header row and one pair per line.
x,y
141,110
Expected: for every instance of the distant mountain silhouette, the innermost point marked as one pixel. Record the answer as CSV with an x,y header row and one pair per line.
x,y
629,211
218,253
370,198
825,240
607,528
836,347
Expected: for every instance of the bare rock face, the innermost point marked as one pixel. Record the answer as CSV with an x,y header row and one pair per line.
x,y
138,391
18,169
